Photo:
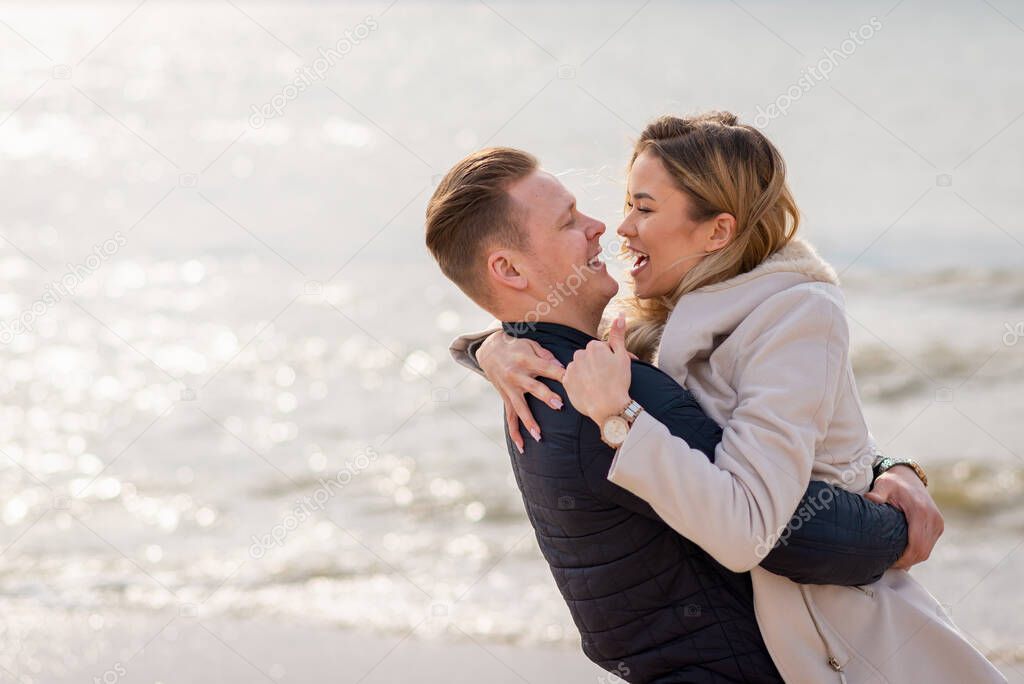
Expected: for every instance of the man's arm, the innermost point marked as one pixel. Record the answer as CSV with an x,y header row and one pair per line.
x,y
834,536
848,541
838,537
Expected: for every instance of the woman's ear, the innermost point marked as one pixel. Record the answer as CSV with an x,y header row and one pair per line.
x,y
502,271
723,230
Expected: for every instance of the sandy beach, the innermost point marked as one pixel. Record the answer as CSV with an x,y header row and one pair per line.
x,y
171,648
55,646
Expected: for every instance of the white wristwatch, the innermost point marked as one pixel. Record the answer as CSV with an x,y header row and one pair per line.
x,y
615,429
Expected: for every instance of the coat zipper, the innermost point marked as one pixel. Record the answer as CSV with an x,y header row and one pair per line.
x,y
832,660
870,593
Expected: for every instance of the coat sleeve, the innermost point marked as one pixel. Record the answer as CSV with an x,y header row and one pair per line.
x,y
834,536
794,356
463,349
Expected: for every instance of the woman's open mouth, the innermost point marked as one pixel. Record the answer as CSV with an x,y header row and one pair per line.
x,y
640,262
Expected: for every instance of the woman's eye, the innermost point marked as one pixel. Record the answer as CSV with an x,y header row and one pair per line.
x,y
642,210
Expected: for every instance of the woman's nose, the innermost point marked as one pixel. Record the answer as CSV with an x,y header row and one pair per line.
x,y
626,229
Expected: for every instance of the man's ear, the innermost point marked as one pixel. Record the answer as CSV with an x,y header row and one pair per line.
x,y
502,270
723,230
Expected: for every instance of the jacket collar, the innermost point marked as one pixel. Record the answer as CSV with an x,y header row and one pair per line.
x,y
702,318
797,256
547,332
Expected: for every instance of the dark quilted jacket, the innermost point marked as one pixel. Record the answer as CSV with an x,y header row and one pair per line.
x,y
650,605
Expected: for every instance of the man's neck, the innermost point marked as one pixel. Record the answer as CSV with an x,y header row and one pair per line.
x,y
580,320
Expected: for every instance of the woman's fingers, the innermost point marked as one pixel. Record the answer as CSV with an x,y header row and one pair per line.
x,y
501,352
544,368
513,366
513,427
523,412
544,393
541,351
545,365
617,335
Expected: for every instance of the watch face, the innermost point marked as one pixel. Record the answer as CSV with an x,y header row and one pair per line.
x,y
615,430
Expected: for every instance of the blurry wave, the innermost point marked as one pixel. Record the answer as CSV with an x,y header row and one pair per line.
x,y
975,488
886,374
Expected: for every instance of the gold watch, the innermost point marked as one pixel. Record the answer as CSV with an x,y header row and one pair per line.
x,y
886,463
614,430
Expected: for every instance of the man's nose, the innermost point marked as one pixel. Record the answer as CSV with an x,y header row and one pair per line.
x,y
595,229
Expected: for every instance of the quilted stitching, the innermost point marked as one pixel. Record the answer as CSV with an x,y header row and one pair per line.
x,y
643,597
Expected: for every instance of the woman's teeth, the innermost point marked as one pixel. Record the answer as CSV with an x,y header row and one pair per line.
x,y
638,265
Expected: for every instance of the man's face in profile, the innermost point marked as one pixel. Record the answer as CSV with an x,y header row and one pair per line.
x,y
563,264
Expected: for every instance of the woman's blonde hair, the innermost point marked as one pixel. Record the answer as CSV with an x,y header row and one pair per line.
x,y
724,167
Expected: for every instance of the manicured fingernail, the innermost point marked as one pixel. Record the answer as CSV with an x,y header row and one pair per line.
x,y
520,447
536,434
556,403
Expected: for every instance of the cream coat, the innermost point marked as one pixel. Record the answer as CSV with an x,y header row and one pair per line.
x,y
767,356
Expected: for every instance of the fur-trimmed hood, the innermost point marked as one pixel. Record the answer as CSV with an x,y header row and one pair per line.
x,y
703,317
799,256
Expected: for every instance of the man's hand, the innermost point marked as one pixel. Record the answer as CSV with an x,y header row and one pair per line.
x,y
901,487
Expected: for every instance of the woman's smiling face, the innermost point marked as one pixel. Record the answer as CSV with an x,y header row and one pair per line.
x,y
659,230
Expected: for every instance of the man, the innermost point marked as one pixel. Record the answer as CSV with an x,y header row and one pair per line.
x,y
651,606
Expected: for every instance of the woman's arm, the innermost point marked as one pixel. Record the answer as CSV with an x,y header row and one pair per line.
x,y
512,365
794,357
833,537
464,347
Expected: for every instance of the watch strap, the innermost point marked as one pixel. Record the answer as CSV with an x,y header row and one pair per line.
x,y
632,410
888,462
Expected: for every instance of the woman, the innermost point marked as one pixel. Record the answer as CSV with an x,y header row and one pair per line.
x,y
751,320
